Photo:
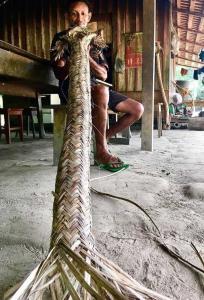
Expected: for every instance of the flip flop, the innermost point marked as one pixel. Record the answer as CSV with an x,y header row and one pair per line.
x,y
109,167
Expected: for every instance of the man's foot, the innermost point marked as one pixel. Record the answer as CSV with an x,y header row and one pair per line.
x,y
109,167
111,163
106,157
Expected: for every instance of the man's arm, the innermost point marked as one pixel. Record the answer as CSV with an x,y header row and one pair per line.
x,y
60,68
99,70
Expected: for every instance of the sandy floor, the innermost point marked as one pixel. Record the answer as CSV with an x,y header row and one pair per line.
x,y
168,183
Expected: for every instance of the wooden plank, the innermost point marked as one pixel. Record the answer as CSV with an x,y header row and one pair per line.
x,y
190,30
40,116
35,41
19,43
60,20
184,58
43,33
22,52
14,65
58,132
7,21
138,28
45,28
159,119
38,29
188,12
189,52
14,26
16,89
104,22
129,27
191,42
52,21
22,24
137,95
116,41
149,25
29,28
120,29
4,32
166,44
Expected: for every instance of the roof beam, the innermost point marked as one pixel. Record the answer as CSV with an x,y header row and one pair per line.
x,y
180,64
190,30
186,51
190,42
186,11
198,62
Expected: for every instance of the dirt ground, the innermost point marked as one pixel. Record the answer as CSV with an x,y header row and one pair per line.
x,y
168,183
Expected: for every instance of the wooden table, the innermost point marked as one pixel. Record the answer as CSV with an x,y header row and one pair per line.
x,y
25,75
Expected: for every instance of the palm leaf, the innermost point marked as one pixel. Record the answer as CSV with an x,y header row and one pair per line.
x,y
73,268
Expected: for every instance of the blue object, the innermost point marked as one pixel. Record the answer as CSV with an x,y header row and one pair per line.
x,y
201,55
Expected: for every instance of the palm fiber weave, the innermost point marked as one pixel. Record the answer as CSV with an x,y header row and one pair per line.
x,y
74,269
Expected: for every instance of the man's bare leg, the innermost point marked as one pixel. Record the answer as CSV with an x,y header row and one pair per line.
x,y
100,96
132,110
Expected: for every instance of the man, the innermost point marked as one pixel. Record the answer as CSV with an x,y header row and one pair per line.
x,y
80,15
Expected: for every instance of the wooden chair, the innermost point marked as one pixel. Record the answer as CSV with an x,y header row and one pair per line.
x,y
7,129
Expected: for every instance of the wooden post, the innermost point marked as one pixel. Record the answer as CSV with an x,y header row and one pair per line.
x,y
40,116
58,131
159,119
149,25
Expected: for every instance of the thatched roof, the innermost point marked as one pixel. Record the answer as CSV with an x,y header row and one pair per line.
x,y
188,20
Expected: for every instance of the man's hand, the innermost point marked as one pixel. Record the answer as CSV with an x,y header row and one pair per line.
x,y
61,68
61,62
98,70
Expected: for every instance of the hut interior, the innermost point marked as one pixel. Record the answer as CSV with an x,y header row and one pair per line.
x,y
166,182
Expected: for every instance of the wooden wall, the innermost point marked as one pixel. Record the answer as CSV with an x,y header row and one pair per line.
x,y
31,25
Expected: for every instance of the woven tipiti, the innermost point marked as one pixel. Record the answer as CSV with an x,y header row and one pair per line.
x,y
73,268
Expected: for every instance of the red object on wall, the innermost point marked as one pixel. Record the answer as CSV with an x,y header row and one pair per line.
x,y
184,71
132,59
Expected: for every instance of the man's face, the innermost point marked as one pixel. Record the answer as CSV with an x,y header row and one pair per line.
x,y
79,14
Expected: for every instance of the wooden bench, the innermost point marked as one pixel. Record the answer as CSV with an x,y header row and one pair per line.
x,y
59,114
124,139
30,112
